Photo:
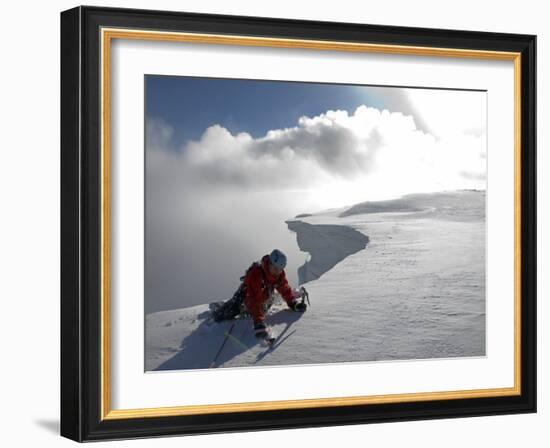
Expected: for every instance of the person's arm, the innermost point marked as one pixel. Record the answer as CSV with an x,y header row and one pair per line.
x,y
289,295
286,291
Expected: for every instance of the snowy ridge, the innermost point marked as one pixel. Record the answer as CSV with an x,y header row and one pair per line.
x,y
415,291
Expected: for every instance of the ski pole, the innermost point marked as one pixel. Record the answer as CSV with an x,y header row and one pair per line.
x,y
223,344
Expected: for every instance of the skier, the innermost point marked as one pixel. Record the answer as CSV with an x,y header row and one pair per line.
x,y
258,284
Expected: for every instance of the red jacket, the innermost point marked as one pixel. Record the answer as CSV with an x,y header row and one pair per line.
x,y
260,284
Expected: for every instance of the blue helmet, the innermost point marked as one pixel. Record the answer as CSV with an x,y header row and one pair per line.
x,y
277,259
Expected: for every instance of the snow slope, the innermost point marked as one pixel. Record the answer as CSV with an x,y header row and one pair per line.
x,y
415,291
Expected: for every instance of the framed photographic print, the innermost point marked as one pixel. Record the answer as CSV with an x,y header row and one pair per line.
x,y
274,223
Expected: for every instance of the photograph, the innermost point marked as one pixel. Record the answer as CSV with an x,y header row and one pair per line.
x,y
293,223
275,224
280,224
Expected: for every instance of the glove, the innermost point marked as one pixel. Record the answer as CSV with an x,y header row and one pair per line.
x,y
260,330
298,306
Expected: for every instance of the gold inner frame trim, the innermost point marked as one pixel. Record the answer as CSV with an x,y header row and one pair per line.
x,y
107,34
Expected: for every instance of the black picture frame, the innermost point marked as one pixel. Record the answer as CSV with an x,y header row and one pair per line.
x,y
81,260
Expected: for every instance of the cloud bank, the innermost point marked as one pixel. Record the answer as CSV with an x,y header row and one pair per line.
x,y
378,150
218,203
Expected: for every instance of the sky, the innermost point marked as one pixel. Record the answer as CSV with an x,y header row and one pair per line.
x,y
190,104
228,161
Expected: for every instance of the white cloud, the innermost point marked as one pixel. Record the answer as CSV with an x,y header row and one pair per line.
x,y
159,135
450,113
381,150
205,200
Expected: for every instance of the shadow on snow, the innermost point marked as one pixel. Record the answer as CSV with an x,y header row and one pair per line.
x,y
199,349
